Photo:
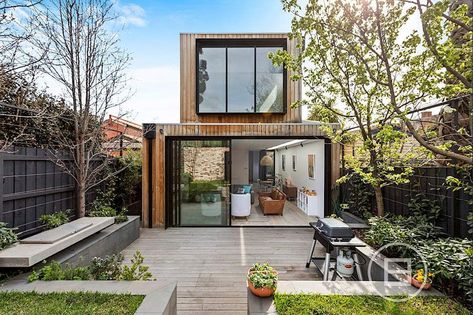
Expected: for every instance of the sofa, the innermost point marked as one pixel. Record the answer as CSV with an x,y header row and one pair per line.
x,y
272,202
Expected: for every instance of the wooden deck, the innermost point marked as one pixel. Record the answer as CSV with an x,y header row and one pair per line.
x,y
210,264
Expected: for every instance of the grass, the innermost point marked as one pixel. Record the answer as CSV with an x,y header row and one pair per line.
x,y
300,304
68,303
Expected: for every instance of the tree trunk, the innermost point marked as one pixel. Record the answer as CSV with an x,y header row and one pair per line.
x,y
379,200
81,177
80,200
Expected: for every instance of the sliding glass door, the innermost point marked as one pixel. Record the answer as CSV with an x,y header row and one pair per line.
x,y
199,180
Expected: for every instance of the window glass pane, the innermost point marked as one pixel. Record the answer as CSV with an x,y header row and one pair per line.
x,y
269,82
211,80
241,80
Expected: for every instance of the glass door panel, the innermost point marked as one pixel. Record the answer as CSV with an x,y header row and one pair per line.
x,y
201,182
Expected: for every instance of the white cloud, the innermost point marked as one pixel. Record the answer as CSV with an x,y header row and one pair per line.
x,y
156,97
131,14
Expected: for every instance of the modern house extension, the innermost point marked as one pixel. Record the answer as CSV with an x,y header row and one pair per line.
x,y
241,155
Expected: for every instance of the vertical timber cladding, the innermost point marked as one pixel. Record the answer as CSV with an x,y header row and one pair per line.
x,y
153,212
188,84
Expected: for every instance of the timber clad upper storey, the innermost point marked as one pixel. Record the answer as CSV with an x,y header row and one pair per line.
x,y
228,78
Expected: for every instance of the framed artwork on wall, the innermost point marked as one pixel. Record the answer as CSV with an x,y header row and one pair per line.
x,y
311,165
293,162
283,162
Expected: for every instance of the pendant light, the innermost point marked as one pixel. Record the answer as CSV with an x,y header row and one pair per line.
x,y
266,160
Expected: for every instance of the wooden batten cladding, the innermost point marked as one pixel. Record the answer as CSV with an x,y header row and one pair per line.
x,y
154,162
188,84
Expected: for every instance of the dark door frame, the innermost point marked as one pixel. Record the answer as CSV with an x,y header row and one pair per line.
x,y
168,171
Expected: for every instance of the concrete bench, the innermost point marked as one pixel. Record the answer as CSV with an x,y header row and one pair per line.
x,y
35,249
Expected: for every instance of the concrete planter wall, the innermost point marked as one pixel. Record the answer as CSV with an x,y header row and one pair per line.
x,y
111,240
378,267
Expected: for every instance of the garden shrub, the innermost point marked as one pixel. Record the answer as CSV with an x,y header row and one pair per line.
x,y
56,219
136,271
121,216
424,209
198,187
128,183
360,196
102,211
449,259
399,229
451,262
107,268
7,236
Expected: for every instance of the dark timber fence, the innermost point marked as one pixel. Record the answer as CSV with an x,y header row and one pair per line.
x,y
430,183
32,185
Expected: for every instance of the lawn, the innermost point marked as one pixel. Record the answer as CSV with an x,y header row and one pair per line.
x,y
68,303
300,304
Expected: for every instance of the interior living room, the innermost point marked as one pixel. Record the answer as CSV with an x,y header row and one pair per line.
x,y
277,182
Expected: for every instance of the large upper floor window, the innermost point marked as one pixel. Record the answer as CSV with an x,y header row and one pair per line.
x,y
236,76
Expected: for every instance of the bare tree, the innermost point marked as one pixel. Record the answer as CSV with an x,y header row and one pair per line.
x,y
83,55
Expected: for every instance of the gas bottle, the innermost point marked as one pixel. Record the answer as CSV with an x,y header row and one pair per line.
x,y
345,263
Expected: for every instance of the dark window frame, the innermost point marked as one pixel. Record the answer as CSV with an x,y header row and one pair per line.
x,y
235,43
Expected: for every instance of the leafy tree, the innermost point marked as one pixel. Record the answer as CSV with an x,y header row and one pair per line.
x,y
447,35
344,47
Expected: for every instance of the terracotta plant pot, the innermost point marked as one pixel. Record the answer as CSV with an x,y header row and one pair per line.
x,y
261,292
424,285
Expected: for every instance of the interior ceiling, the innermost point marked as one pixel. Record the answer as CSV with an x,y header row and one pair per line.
x,y
256,144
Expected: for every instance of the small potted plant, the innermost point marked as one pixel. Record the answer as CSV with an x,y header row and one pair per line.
x,y
262,280
422,281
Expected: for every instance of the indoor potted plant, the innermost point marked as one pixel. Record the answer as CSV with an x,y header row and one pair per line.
x,y
262,280
422,281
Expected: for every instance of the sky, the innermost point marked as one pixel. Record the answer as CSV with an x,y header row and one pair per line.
x,y
151,35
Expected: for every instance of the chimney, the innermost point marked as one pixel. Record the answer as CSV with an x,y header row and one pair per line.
x,y
426,115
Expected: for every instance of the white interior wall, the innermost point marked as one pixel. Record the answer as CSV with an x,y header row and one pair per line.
x,y
300,177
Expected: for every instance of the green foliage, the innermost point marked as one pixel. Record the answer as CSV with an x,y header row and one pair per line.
x,y
449,28
463,182
199,187
54,271
55,219
263,276
102,206
360,196
76,273
68,303
451,261
107,268
102,211
121,216
298,304
29,124
136,271
7,236
399,229
424,209
128,183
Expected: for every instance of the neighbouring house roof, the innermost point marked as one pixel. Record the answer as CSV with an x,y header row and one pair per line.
x,y
115,126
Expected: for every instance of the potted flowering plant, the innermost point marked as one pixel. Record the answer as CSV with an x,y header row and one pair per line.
x,y
262,280
422,280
